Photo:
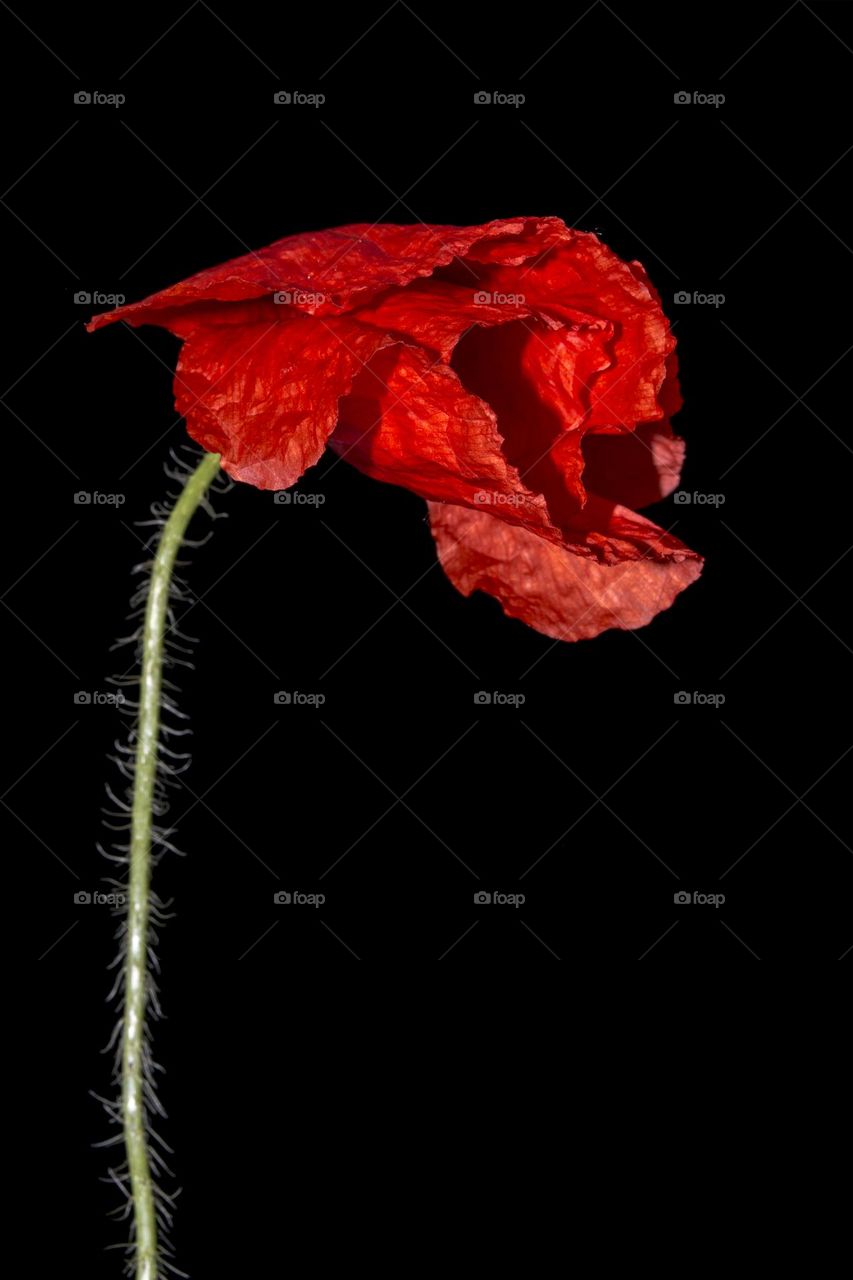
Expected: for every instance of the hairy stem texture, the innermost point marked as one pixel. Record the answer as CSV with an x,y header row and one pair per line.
x,y
138,905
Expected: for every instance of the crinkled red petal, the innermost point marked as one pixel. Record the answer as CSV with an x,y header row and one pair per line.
x,y
265,394
518,375
409,421
325,272
550,587
582,281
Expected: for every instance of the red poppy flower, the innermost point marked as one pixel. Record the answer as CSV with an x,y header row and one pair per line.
x,y
517,375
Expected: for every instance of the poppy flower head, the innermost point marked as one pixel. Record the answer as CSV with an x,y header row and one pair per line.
x,y
517,375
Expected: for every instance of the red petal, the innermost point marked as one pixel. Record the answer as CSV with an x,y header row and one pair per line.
x,y
265,394
605,531
537,380
552,589
436,313
632,468
409,421
637,468
525,460
334,268
582,280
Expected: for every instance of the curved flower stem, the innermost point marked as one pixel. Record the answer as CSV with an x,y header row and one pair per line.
x,y
135,991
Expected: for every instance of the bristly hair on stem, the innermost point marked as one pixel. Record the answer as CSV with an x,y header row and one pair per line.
x,y
137,816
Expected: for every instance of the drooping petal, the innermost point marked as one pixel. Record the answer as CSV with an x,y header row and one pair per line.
x,y
265,394
631,468
553,589
518,375
636,468
610,533
409,421
583,281
326,272
537,381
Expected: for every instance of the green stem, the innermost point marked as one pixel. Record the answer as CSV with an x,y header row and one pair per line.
x,y
135,991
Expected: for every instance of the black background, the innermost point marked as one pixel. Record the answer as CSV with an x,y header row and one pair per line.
x,y
600,797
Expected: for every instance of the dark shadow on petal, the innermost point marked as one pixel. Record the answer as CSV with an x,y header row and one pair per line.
x,y
490,364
